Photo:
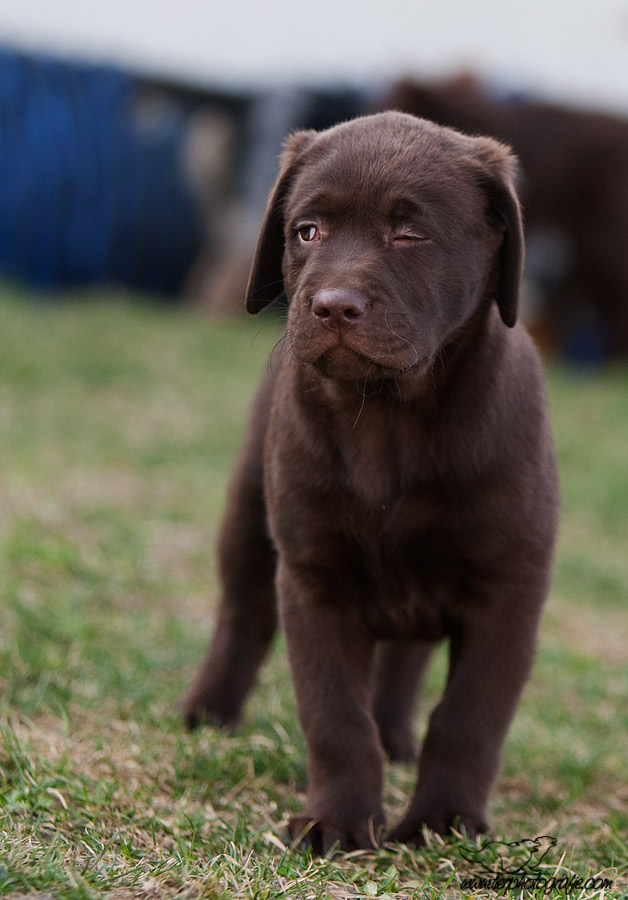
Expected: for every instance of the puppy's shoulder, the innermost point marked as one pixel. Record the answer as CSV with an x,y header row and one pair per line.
x,y
521,365
501,400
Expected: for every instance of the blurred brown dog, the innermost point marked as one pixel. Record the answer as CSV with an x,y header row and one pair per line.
x,y
575,195
398,484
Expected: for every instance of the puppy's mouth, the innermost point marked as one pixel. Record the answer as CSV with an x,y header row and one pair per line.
x,y
343,342
345,363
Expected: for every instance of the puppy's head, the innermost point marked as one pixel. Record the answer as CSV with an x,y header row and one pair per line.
x,y
388,234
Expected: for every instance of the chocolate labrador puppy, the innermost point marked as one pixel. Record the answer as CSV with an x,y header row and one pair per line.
x,y
397,485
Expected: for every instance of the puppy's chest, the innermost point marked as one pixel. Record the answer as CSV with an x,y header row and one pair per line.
x,y
402,518
380,463
415,573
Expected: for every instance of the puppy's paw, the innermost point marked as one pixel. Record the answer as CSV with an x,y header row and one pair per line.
x,y
197,712
325,836
411,829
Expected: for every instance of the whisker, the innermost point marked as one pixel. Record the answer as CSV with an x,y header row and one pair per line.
x,y
363,394
282,346
402,338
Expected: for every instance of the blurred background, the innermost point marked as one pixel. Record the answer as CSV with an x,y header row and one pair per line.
x,y
138,140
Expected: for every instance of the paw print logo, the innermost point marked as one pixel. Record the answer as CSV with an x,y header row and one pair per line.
x,y
513,858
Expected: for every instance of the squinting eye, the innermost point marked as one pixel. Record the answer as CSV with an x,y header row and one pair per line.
x,y
308,233
409,236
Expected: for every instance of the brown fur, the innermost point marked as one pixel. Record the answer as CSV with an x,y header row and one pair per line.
x,y
397,486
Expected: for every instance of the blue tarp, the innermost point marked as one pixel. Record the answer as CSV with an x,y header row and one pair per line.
x,y
86,196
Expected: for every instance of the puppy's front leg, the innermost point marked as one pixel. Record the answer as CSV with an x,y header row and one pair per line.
x,y
491,656
331,657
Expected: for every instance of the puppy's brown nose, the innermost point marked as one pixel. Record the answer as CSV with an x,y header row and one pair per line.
x,y
336,308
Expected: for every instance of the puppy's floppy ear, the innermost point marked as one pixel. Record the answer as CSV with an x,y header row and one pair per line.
x,y
504,210
266,278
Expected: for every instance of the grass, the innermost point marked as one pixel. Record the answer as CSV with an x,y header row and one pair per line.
x,y
118,424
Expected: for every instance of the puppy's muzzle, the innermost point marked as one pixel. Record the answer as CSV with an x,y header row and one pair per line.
x,y
338,309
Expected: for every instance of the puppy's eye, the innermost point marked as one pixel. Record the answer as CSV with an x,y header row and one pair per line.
x,y
409,236
308,233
